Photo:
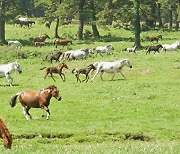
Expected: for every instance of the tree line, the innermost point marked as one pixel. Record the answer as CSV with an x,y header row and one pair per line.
x,y
137,14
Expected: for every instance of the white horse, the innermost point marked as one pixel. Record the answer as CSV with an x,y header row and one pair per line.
x,y
103,49
168,47
6,69
111,67
15,43
80,54
131,49
76,54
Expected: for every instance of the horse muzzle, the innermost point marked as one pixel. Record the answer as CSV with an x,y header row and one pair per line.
x,y
59,98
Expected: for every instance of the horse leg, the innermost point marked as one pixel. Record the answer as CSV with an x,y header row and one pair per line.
x,y
77,76
122,74
86,79
47,110
9,79
62,76
52,77
113,76
25,112
101,74
97,72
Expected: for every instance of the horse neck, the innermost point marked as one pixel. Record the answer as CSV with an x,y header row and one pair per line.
x,y
61,67
11,67
46,94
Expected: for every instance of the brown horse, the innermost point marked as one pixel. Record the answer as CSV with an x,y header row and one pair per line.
x,y
5,135
40,38
61,42
31,99
155,38
58,69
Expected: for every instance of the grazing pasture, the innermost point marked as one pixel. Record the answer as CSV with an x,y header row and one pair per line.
x,y
137,115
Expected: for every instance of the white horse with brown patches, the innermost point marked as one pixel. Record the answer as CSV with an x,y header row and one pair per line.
x,y
111,67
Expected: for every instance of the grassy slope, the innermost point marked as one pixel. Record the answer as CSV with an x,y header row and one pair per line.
x,y
95,116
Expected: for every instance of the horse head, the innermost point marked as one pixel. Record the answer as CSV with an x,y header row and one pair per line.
x,y
54,92
91,66
110,47
126,62
17,67
159,46
64,65
46,36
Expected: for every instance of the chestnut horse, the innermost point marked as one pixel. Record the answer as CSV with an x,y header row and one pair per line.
x,y
5,135
155,38
31,99
61,42
40,38
58,69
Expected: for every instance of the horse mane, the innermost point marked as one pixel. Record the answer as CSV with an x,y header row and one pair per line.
x,y
50,87
5,135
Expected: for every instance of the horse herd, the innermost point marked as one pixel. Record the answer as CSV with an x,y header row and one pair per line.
x,y
155,48
41,99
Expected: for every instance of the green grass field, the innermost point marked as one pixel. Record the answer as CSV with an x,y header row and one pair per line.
x,y
137,115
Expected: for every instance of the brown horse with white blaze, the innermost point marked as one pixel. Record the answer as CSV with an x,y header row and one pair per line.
x,y
32,99
5,135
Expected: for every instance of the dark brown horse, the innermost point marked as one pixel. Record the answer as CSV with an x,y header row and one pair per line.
x,y
58,69
61,42
5,135
40,38
155,38
32,99
55,57
83,71
154,48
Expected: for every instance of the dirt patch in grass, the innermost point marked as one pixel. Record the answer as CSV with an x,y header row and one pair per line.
x,y
139,137
31,136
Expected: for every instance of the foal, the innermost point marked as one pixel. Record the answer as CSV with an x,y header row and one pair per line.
x,y
83,71
55,57
154,48
58,69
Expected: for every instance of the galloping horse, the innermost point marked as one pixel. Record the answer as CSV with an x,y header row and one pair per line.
x,y
6,69
155,38
103,49
111,67
61,42
85,71
32,99
154,48
40,38
58,69
5,135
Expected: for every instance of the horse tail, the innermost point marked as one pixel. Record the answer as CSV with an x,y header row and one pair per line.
x,y
13,100
73,70
42,68
54,41
5,134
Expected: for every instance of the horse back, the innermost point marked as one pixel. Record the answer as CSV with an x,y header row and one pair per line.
x,y
30,98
